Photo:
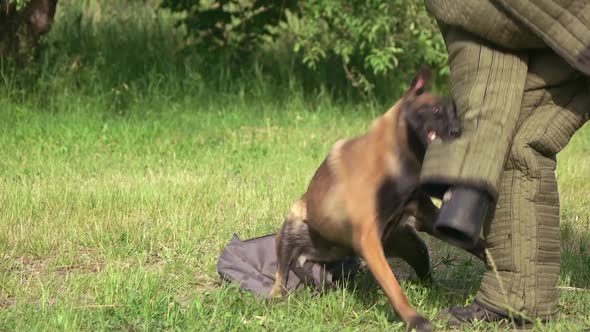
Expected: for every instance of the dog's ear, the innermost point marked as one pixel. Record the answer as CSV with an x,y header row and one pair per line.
x,y
420,80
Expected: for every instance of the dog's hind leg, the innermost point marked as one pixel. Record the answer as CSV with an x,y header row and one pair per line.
x,y
297,243
403,241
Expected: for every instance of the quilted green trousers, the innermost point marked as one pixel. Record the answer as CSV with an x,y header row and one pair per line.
x,y
519,109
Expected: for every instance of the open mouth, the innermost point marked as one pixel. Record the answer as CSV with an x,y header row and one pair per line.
x,y
431,134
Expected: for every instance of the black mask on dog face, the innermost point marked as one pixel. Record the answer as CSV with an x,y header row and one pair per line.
x,y
427,115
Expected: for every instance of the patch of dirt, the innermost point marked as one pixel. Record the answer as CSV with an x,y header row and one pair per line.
x,y
29,265
86,261
6,303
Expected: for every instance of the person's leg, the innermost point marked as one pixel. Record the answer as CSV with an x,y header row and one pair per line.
x,y
523,238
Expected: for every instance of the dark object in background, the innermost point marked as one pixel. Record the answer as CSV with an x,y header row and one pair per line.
x,y
253,263
21,30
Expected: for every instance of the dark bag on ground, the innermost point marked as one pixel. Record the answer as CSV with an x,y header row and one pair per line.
x,y
252,264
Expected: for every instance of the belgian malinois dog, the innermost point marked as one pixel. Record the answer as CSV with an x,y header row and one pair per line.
x,y
364,199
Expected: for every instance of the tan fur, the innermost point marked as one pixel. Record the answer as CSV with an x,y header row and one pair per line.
x,y
344,209
298,210
341,206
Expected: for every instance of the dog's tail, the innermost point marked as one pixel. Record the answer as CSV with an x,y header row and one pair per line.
x,y
289,243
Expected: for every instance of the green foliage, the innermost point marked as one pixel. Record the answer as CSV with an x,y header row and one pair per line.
x,y
368,41
19,4
118,52
371,38
233,24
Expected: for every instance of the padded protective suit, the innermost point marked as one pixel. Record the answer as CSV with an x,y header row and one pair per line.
x,y
519,76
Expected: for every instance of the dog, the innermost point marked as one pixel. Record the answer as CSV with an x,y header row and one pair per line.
x,y
364,199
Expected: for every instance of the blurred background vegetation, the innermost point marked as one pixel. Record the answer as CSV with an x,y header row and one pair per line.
x,y
355,50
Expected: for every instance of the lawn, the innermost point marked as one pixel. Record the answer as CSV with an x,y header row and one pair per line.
x,y
116,200
117,222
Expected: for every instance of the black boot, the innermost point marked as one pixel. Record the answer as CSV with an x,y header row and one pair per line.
x,y
462,215
456,316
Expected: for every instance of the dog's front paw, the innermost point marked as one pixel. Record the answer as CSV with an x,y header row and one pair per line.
x,y
420,324
277,292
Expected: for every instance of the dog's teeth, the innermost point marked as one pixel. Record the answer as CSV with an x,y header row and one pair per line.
x,y
447,196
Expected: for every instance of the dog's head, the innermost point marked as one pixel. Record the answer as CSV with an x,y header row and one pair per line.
x,y
427,115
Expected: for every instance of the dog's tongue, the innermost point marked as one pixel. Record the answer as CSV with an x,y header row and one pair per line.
x,y
431,135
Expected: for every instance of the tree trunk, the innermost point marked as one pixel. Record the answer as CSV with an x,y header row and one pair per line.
x,y
20,31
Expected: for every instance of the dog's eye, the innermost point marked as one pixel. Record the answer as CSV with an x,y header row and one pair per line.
x,y
419,91
436,110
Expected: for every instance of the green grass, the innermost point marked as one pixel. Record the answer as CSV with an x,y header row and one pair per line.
x,y
117,222
122,176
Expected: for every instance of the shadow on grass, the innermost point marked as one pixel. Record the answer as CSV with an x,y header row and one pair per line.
x,y
457,276
360,302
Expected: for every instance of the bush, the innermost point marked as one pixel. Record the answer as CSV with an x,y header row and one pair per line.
x,y
372,43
